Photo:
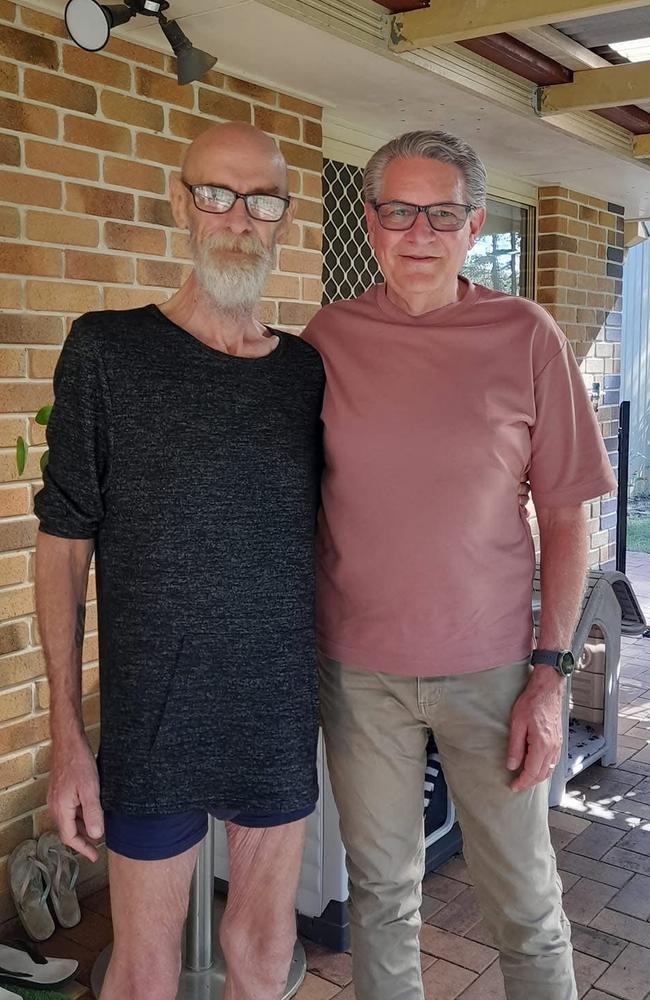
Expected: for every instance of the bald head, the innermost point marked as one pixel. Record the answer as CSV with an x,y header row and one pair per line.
x,y
236,154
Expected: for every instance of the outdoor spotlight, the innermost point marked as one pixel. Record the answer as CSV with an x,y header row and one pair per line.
x,y
191,63
89,24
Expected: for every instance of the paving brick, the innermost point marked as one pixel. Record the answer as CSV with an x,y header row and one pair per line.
x,y
468,954
560,839
633,898
632,766
623,926
459,915
637,840
429,906
595,841
642,791
441,887
567,879
314,988
591,941
599,811
587,971
629,976
445,981
631,806
334,966
630,860
565,821
489,986
456,868
585,899
481,934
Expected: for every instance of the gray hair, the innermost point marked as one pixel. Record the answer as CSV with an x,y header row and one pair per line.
x,y
429,145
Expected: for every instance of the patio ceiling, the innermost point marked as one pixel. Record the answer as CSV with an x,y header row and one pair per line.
x,y
561,45
335,53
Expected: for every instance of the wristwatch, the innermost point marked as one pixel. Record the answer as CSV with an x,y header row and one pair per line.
x,y
561,660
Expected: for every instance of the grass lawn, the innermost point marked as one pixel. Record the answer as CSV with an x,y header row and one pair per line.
x,y
638,534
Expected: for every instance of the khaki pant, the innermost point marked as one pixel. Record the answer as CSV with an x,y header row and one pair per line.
x,y
376,729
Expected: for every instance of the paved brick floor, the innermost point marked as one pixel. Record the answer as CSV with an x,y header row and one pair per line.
x,y
602,838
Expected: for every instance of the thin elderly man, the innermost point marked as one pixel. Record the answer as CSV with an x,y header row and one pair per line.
x,y
440,395
182,455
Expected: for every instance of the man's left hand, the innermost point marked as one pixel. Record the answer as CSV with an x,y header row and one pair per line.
x,y
536,729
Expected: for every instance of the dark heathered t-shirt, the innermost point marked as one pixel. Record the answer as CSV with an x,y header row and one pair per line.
x,y
197,475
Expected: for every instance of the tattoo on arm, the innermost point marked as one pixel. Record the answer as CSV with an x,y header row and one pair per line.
x,y
80,626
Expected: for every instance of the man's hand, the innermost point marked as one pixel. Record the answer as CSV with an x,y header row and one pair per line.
x,y
523,491
536,728
73,798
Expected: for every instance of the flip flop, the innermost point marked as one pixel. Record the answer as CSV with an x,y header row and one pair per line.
x,y
30,886
21,964
63,870
6,995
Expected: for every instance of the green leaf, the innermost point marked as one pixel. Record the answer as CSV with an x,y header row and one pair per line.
x,y
21,455
45,457
43,415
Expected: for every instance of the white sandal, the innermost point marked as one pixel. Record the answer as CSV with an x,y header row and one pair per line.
x,y
6,995
63,871
21,964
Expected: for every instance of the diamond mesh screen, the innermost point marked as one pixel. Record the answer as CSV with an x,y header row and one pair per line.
x,y
349,267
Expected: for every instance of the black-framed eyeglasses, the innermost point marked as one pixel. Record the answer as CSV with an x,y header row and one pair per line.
x,y
446,217
218,200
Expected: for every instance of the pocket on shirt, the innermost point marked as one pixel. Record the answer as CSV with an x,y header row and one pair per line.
x,y
225,690
184,708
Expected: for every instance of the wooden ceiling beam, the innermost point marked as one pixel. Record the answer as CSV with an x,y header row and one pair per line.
x,y
593,89
641,146
455,20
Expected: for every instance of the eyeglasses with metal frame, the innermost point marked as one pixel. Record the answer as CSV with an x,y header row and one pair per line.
x,y
218,200
446,217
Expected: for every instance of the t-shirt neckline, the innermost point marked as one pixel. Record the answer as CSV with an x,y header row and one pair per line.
x,y
432,318
222,355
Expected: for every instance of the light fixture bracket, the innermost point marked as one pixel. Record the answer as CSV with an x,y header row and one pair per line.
x,y
89,24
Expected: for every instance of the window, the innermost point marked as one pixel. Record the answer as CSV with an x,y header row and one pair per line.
x,y
499,258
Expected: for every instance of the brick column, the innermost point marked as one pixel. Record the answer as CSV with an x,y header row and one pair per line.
x,y
580,283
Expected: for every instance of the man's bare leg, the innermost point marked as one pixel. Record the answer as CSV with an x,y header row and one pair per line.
x,y
258,928
149,901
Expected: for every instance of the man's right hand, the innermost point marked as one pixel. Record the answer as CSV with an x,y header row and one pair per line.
x,y
73,798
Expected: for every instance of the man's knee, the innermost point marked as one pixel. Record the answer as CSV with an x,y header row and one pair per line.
x,y
258,945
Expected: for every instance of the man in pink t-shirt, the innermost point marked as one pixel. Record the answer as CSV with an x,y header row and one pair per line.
x,y
440,395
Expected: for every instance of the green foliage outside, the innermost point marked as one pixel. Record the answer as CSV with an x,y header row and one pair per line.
x,y
638,534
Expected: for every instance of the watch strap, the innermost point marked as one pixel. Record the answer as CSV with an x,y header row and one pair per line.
x,y
548,657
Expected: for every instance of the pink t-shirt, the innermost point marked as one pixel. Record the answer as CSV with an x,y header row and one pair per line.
x,y
425,558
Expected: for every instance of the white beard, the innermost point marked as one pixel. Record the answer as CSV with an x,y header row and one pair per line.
x,y
234,284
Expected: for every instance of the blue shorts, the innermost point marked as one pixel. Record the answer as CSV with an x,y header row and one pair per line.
x,y
155,838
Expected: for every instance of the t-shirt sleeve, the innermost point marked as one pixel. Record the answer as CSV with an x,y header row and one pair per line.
x,y
569,463
71,502
310,333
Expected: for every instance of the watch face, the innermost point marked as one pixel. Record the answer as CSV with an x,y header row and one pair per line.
x,y
567,663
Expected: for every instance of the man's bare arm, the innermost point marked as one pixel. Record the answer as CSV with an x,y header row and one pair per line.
x,y
61,580
563,563
536,723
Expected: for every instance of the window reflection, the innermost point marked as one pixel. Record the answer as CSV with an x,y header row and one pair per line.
x,y
499,257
